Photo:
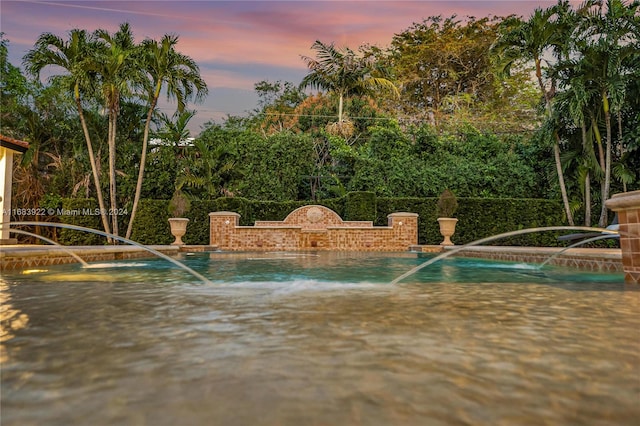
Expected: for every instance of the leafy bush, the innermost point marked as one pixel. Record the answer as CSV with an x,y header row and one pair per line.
x,y
152,223
478,217
360,206
80,212
447,204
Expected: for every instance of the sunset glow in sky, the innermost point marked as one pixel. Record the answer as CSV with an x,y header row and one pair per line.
x,y
239,43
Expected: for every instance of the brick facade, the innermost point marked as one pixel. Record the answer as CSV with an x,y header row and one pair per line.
x,y
627,205
313,228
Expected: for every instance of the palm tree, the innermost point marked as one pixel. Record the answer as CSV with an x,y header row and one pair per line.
x,y
118,73
576,102
75,56
207,168
342,72
180,75
608,44
174,129
524,41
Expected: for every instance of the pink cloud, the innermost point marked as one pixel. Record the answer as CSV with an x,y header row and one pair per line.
x,y
238,43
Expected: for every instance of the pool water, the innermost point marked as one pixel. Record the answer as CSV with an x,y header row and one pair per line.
x,y
318,339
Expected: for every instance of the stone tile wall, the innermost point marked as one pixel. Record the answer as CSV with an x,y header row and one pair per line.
x,y
577,259
627,205
33,257
313,227
585,259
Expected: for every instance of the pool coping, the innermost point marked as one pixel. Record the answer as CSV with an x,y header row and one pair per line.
x,y
16,257
586,259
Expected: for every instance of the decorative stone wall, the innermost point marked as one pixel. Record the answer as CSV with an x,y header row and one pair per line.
x,y
313,228
595,260
627,205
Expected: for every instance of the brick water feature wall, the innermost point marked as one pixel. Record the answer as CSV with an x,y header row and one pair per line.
x,y
313,228
627,205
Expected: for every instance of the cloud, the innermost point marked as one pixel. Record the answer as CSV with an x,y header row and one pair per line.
x,y
238,43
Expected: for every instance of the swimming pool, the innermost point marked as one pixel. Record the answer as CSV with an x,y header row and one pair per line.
x,y
319,338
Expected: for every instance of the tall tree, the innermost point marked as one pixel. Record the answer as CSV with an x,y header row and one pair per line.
x,y
76,56
343,72
442,65
118,73
277,102
14,89
529,41
610,42
180,75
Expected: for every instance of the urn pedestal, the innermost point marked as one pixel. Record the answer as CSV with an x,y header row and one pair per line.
x,y
447,229
178,229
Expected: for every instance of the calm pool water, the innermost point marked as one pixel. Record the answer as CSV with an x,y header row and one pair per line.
x,y
318,339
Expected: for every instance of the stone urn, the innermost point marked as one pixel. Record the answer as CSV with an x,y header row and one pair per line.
x,y
178,229
447,229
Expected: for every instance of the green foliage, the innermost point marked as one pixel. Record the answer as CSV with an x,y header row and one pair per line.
x,y
14,89
198,228
360,206
420,163
448,78
160,174
478,217
272,167
152,223
481,218
80,212
586,64
239,205
447,204
179,204
343,72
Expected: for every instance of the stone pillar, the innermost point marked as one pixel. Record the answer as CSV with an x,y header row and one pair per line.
x,y
627,205
222,226
405,227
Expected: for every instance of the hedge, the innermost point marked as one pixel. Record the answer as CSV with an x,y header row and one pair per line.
x,y
478,217
360,205
80,212
151,225
481,217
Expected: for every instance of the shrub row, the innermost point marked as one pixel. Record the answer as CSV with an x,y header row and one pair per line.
x,y
478,217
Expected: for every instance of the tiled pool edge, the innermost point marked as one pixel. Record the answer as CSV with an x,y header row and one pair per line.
x,y
585,259
29,257
597,260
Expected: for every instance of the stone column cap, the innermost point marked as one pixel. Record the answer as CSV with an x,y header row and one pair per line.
x,y
624,200
403,214
224,214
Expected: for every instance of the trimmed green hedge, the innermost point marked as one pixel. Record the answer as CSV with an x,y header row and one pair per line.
x,y
151,225
360,205
80,212
478,217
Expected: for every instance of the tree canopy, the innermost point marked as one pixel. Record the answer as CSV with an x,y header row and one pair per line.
x,y
541,106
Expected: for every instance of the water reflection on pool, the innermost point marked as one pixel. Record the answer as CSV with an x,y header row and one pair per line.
x,y
318,339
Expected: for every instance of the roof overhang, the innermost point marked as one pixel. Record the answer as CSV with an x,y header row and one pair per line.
x,y
14,144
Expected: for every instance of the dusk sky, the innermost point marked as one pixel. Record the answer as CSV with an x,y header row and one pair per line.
x,y
239,43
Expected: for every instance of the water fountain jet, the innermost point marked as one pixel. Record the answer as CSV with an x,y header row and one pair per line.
x,y
115,237
457,249
50,241
611,234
